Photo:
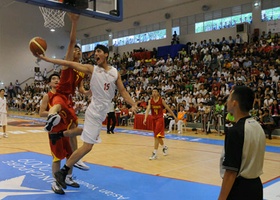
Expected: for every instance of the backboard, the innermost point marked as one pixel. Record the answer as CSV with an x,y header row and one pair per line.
x,y
111,10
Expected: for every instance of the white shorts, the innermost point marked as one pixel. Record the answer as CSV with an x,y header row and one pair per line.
x,y
92,127
3,119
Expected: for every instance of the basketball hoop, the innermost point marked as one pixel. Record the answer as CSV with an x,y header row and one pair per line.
x,y
53,18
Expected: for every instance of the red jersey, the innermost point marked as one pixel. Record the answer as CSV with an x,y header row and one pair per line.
x,y
65,114
51,95
157,108
69,80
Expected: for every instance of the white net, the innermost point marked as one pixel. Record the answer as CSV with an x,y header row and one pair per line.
x,y
53,18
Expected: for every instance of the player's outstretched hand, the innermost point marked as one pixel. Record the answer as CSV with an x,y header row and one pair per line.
x,y
134,108
43,57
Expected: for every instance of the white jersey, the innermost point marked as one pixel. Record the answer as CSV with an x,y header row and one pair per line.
x,y
103,87
3,105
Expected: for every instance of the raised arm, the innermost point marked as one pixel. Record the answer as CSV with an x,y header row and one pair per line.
x,y
74,20
86,68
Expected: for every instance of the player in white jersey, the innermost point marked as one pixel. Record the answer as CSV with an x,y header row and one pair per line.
x,y
104,81
3,112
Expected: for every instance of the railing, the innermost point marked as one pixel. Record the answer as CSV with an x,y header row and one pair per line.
x,y
33,77
26,80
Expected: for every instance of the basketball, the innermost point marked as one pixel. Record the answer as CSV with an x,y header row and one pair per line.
x,y
37,45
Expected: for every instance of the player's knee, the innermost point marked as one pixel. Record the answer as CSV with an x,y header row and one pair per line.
x,y
87,147
58,107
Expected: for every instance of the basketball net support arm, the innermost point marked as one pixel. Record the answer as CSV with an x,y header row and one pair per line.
x,y
113,15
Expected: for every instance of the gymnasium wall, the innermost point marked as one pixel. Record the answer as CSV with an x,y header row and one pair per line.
x,y
17,28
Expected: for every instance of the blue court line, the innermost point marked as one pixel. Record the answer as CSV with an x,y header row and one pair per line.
x,y
272,182
272,149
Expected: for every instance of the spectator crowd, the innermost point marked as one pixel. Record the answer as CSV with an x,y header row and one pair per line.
x,y
199,75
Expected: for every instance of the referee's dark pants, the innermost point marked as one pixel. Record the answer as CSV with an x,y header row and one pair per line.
x,y
246,189
111,116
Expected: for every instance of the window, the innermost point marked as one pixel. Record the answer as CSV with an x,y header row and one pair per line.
x,y
177,29
139,38
271,14
221,23
217,24
199,27
208,26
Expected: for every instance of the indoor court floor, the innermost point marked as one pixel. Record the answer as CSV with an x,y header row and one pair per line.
x,y
120,167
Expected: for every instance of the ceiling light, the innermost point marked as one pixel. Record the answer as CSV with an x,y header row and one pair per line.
x,y
256,4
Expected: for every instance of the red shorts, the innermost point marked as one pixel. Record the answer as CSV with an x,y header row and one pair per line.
x,y
66,107
158,127
60,146
61,149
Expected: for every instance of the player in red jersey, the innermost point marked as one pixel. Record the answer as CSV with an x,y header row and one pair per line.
x,y
70,79
59,145
156,105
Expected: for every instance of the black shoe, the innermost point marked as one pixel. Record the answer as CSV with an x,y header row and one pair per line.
x,y
57,188
112,132
108,132
52,121
60,178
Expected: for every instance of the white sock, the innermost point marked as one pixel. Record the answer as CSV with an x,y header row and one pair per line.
x,y
155,151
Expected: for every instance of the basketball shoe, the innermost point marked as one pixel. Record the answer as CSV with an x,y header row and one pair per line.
x,y
60,177
57,188
165,150
81,165
153,157
52,120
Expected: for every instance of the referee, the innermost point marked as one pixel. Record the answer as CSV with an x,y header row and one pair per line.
x,y
243,157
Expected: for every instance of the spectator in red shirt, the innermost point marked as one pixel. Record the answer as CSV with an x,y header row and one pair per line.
x,y
191,112
124,115
216,91
143,103
255,72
